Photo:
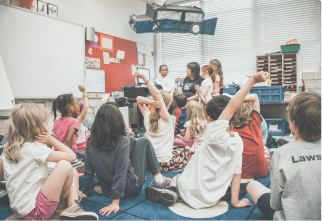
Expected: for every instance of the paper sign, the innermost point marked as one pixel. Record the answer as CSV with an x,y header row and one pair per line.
x,y
140,48
92,62
147,50
120,54
106,57
115,60
140,59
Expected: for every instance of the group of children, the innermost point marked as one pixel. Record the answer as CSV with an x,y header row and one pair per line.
x,y
215,139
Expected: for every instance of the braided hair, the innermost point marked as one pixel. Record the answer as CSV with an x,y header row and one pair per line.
x,y
61,102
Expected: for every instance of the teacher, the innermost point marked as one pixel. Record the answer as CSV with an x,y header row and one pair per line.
x,y
193,78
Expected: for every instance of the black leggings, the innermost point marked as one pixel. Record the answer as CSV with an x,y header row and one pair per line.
x,y
141,154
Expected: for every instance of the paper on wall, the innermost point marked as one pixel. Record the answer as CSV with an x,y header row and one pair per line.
x,y
120,54
106,57
147,50
140,59
140,48
115,60
148,58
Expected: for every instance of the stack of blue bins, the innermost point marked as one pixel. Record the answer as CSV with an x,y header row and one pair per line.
x,y
271,94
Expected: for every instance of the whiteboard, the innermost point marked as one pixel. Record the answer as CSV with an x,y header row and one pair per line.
x,y
43,56
95,80
6,95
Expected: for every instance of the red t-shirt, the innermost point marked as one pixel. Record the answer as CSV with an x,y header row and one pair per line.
x,y
254,162
61,127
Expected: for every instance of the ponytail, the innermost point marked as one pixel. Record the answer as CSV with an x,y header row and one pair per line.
x,y
154,121
60,104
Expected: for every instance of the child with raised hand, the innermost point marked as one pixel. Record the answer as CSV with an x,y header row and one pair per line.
x,y
295,168
159,128
195,127
67,126
218,161
118,161
247,123
33,194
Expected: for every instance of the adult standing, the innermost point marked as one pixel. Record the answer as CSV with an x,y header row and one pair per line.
x,y
217,78
193,78
165,81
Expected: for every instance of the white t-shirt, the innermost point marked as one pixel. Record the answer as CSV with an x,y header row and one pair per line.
x,y
207,176
204,84
25,178
197,140
162,141
81,134
167,83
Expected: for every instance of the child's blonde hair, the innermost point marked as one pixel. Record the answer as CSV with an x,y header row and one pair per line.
x,y
198,121
25,122
242,115
155,116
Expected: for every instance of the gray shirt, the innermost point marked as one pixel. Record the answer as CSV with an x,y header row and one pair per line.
x,y
296,181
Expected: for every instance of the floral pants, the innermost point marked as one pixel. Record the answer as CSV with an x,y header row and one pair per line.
x,y
180,158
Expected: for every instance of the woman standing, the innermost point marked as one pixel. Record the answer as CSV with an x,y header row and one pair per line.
x,y
193,78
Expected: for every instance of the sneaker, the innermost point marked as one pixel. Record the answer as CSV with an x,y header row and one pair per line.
x,y
164,184
60,207
77,212
164,196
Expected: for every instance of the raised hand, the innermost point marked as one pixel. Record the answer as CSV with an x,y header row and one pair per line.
x,y
157,104
138,75
81,88
260,77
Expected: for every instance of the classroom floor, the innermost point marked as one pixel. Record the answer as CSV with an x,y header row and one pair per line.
x,y
139,208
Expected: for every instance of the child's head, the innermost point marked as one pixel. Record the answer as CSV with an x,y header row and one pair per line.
x,y
67,105
207,70
197,118
216,65
159,87
108,127
155,116
173,108
242,115
305,116
216,105
181,100
25,122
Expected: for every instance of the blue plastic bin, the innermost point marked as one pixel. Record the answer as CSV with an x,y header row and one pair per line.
x,y
272,94
277,126
231,90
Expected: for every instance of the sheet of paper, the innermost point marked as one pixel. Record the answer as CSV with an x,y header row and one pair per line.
x,y
140,48
120,54
106,57
6,95
147,50
114,60
140,59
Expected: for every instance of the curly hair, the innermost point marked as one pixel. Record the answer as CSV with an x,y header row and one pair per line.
x,y
155,115
198,121
242,115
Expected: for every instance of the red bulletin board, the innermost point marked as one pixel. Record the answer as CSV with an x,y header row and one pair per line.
x,y
117,75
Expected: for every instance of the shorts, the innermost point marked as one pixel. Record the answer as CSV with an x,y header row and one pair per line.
x,y
44,208
263,204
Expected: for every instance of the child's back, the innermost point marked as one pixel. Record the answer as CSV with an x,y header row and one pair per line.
x,y
181,115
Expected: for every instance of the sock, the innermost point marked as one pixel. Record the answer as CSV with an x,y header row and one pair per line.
x,y
173,188
159,178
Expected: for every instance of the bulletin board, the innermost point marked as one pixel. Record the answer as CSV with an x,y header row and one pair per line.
x,y
117,75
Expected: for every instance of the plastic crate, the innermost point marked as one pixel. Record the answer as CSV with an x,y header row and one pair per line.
x,y
290,48
231,90
272,94
277,126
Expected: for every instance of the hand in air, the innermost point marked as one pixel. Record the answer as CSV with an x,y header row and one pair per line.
x,y
157,104
138,75
242,203
81,88
261,76
44,138
109,209
198,90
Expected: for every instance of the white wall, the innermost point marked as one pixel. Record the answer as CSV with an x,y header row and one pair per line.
x,y
106,16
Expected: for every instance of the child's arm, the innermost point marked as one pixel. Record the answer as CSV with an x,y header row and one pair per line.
x,y
62,153
194,97
235,186
187,135
238,99
202,96
82,114
164,114
1,171
142,102
69,137
253,98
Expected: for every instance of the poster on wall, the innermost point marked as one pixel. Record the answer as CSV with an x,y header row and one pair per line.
x,y
106,57
42,7
52,10
92,62
140,59
106,43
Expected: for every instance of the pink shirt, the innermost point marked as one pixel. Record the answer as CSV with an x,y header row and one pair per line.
x,y
61,127
216,86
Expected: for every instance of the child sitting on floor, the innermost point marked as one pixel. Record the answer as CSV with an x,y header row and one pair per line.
x,y
195,127
33,194
217,162
160,130
66,127
119,164
247,123
295,169
181,116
